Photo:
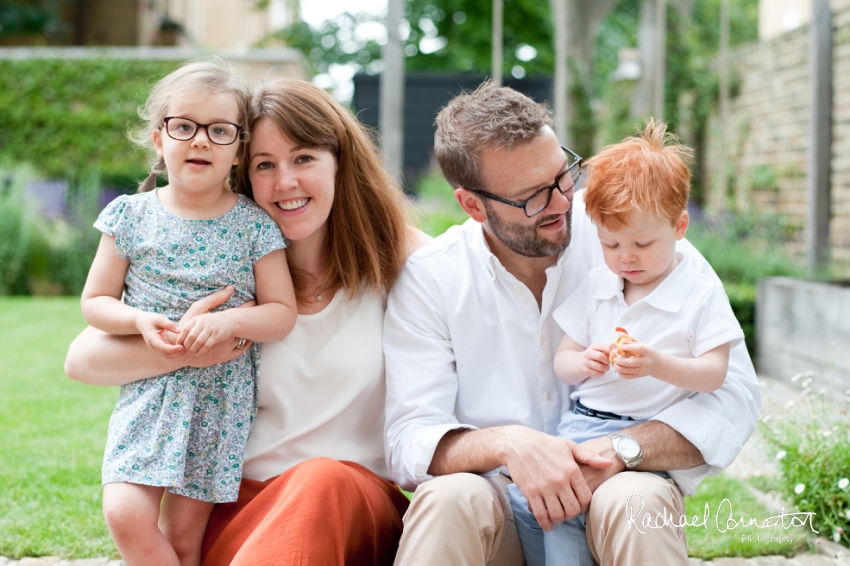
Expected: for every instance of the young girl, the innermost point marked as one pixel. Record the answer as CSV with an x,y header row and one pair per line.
x,y
176,441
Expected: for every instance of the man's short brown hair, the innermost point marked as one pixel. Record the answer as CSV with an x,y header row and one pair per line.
x,y
646,173
490,117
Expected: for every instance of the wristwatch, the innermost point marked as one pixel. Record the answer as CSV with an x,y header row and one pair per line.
x,y
626,448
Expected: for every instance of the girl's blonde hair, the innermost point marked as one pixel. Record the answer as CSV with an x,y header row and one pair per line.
x,y
367,225
201,79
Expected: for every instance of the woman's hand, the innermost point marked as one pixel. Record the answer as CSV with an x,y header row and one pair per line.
x,y
209,351
99,358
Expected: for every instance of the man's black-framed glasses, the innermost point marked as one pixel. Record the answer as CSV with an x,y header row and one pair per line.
x,y
184,129
537,203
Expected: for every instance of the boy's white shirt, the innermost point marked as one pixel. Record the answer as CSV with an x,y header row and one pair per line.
x,y
687,315
467,346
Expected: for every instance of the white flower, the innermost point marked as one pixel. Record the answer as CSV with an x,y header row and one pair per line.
x,y
826,433
789,404
799,488
780,454
836,536
847,514
796,377
823,392
842,484
807,382
765,418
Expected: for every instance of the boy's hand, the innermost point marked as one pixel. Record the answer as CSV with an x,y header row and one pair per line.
x,y
594,360
202,332
644,363
154,328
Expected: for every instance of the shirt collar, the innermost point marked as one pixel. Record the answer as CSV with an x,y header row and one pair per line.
x,y
494,266
670,294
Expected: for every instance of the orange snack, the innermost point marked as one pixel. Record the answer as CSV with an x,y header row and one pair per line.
x,y
616,348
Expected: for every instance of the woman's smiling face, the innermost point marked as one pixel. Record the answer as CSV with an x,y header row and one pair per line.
x,y
294,184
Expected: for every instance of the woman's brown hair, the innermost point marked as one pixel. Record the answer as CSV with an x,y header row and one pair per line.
x,y
367,225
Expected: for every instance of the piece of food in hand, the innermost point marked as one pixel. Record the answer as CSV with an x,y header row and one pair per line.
x,y
617,347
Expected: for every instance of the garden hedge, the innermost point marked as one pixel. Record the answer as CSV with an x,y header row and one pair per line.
x,y
68,118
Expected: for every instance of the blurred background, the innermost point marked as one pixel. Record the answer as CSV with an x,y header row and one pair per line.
x,y
754,86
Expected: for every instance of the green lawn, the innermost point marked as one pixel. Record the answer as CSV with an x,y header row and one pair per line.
x,y
719,537
52,433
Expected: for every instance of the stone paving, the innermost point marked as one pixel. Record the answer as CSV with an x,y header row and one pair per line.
x,y
751,461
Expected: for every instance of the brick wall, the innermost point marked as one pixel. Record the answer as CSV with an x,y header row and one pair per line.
x,y
767,155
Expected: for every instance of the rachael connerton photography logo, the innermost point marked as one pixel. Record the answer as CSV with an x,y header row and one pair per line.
x,y
724,520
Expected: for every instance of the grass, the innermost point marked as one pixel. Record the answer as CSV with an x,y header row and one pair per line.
x,y
52,433
720,538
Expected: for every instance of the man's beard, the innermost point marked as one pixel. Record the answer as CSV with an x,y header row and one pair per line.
x,y
524,239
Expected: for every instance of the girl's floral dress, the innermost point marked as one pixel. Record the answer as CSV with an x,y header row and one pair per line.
x,y
186,430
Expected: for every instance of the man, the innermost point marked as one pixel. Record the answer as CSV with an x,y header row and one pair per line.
x,y
471,389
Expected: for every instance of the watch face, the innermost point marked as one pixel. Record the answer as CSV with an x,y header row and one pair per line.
x,y
628,447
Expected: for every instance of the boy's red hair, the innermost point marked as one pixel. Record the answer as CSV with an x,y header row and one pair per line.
x,y
647,173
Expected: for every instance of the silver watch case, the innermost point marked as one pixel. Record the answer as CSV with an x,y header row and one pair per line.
x,y
627,449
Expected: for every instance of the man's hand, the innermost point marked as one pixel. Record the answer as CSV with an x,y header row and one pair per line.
x,y
153,328
546,470
595,359
645,362
594,476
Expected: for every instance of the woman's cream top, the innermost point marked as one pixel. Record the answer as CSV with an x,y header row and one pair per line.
x,y
322,391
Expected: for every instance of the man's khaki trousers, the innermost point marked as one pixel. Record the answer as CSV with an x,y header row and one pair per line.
x,y
466,519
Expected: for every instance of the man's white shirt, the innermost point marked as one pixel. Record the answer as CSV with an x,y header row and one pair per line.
x,y
466,346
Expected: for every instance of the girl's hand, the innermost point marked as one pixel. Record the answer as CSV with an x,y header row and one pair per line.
x,y
154,328
594,360
202,332
644,363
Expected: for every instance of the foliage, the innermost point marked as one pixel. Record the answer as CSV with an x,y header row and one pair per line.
x,y
30,17
436,208
46,257
52,433
15,229
812,448
742,298
339,41
444,36
68,118
746,247
714,540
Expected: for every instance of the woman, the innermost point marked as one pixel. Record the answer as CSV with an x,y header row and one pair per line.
x,y
313,488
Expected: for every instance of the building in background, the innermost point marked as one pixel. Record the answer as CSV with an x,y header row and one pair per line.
x,y
779,16
209,24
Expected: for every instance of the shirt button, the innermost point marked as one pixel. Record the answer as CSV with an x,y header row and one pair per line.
x,y
519,290
627,318
542,341
548,396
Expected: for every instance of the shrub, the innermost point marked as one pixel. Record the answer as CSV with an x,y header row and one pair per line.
x,y
812,447
15,231
69,117
744,248
46,257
